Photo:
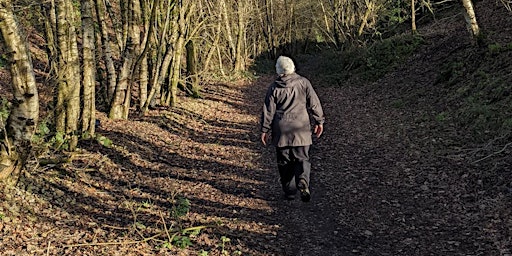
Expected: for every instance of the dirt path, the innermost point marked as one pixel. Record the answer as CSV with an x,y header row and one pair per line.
x,y
358,207
380,185
391,180
380,188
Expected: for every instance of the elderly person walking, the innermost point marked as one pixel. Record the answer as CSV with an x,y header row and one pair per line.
x,y
285,116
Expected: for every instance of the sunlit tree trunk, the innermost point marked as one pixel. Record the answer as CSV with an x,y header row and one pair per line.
x,y
470,16
240,37
144,74
413,17
223,10
213,47
147,42
89,69
143,82
67,110
16,132
164,53
185,9
174,74
50,25
121,102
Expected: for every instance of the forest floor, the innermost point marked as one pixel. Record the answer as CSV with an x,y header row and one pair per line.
x,y
195,180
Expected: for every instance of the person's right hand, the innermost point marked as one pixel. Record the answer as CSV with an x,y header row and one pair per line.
x,y
319,129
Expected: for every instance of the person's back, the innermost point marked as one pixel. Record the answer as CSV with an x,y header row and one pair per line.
x,y
285,114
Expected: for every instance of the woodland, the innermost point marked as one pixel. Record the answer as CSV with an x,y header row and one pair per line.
x,y
131,127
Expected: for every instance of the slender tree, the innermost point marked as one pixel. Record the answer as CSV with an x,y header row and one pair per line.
x,y
241,34
50,25
122,95
471,21
185,8
107,52
413,17
16,132
192,79
88,68
69,82
163,51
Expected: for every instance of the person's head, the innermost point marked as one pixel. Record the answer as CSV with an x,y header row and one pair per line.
x,y
284,66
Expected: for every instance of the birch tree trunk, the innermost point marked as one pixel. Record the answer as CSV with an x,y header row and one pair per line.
x,y
413,17
470,17
68,95
142,62
89,69
164,54
185,9
17,131
121,101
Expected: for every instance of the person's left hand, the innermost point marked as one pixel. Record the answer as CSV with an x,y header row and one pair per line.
x,y
264,138
319,129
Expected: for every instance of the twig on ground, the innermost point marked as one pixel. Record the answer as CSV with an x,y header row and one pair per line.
x,y
165,227
114,227
114,243
493,154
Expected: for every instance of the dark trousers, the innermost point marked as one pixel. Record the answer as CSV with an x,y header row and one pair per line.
x,y
293,164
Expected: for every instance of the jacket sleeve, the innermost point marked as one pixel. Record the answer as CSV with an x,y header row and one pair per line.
x,y
269,109
313,104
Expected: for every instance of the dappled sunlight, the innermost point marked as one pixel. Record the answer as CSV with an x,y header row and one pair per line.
x,y
399,169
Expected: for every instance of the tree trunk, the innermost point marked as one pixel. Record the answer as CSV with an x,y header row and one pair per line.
x,y
143,82
50,24
149,27
17,131
364,21
192,79
240,42
185,9
413,17
164,56
213,46
223,10
269,7
470,16
174,75
89,69
107,51
337,23
68,95
121,101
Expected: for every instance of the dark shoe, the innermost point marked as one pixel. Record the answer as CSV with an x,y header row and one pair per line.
x,y
305,195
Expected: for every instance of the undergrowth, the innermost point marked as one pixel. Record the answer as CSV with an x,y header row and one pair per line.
x,y
480,89
363,63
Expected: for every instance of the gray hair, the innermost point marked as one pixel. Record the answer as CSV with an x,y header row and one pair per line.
x,y
284,66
